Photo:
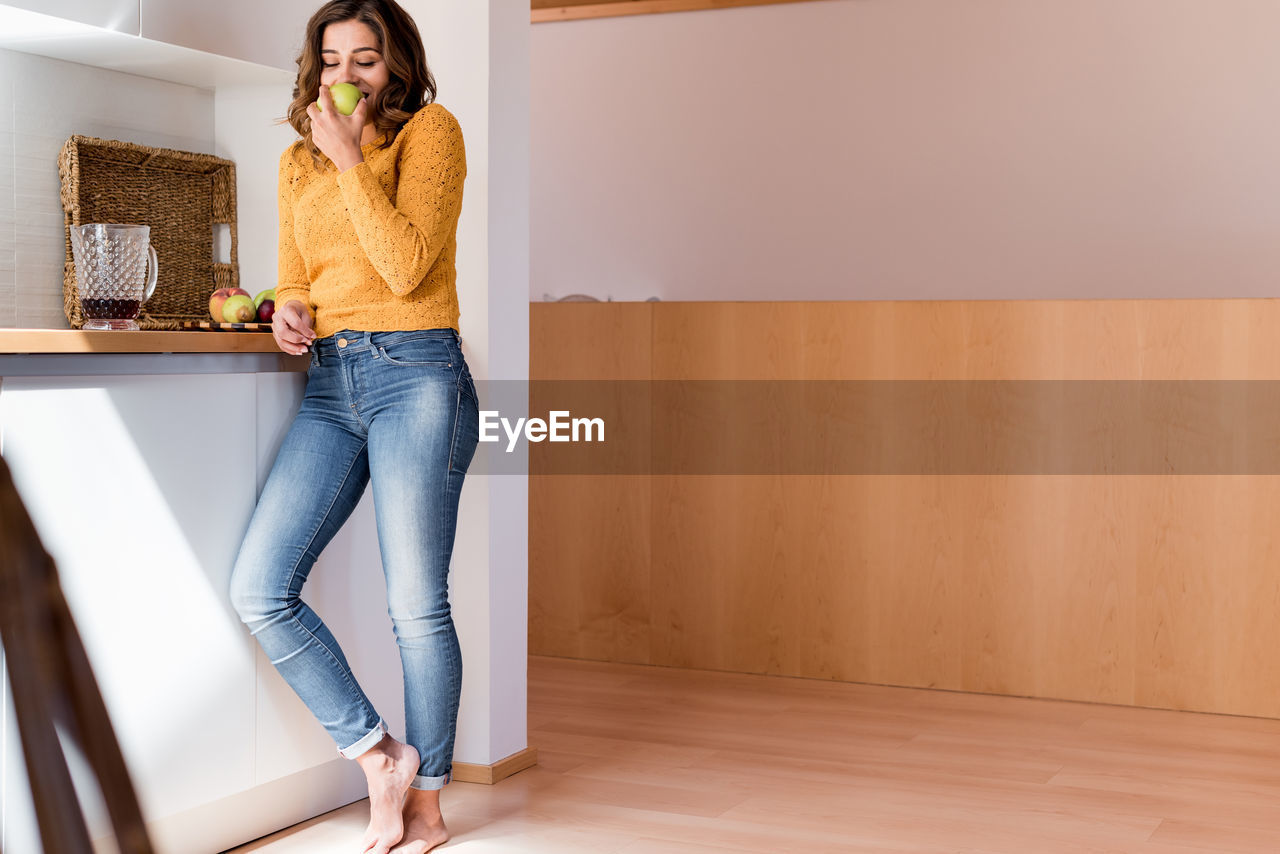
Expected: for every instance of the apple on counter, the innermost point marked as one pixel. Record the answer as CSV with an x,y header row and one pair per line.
x,y
234,305
238,308
218,300
266,304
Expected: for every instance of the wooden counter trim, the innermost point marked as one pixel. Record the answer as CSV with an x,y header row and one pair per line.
x,y
544,11
101,341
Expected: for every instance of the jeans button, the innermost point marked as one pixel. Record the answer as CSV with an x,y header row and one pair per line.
x,y
342,342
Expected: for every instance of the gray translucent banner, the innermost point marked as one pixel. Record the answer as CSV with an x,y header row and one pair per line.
x,y
762,427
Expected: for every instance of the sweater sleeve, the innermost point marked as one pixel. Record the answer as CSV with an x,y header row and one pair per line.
x,y
291,278
403,240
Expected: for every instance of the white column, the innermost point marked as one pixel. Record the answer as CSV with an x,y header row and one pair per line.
x,y
479,53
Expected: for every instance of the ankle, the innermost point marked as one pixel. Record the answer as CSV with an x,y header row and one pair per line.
x,y
378,756
424,802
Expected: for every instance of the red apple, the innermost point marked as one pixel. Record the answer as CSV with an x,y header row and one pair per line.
x,y
219,297
267,310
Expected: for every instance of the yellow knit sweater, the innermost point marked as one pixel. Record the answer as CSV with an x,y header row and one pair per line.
x,y
373,248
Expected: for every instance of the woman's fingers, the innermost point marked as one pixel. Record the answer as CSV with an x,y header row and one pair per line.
x,y
288,343
300,319
327,130
291,347
292,329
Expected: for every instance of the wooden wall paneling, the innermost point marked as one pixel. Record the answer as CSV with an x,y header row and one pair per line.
x,y
912,549
1180,606
1208,596
724,547
591,340
1090,606
1248,557
589,559
1013,541
745,578
696,572
589,567
728,340
828,629
1148,589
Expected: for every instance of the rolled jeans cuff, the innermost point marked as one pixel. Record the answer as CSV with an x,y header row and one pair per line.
x,y
431,783
369,740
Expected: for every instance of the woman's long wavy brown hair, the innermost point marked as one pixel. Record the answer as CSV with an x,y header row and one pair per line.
x,y
410,86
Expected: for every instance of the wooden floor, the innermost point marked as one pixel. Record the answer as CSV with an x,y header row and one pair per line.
x,y
649,760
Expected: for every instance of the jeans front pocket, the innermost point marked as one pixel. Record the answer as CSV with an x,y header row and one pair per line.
x,y
417,353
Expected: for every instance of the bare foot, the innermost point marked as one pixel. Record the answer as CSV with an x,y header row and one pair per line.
x,y
390,767
423,824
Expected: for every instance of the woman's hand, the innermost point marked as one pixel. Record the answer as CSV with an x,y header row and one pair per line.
x,y
292,329
338,136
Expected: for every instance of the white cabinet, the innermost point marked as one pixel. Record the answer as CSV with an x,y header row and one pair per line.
x,y
141,487
264,33
118,15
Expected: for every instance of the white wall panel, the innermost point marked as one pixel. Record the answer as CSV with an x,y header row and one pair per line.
x,y
265,33
881,149
56,99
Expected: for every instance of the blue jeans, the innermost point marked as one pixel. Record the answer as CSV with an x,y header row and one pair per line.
x,y
398,410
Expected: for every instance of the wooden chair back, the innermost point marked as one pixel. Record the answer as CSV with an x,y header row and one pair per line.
x,y
54,685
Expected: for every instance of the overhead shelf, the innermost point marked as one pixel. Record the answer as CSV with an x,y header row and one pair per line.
x,y
57,38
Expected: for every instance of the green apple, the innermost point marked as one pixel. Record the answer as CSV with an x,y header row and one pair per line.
x,y
219,298
239,309
269,293
345,97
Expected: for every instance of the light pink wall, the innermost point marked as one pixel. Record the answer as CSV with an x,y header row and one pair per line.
x,y
910,149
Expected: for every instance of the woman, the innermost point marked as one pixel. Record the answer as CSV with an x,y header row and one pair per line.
x,y
369,208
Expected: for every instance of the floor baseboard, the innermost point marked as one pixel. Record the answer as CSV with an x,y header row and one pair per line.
x,y
466,772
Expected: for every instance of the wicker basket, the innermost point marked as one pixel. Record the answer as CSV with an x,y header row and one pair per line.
x,y
180,194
